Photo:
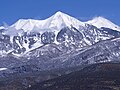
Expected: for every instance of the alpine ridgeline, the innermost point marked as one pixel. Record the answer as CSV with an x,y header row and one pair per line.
x,y
59,41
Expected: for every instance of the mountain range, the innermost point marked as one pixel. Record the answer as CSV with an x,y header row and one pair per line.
x,y
58,39
31,49
28,34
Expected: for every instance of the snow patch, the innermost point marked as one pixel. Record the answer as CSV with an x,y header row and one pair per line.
x,y
2,69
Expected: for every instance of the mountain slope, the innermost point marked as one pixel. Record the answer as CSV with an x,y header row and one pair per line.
x,y
94,77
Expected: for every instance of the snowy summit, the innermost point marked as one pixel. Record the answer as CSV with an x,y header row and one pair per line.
x,y
57,21
103,22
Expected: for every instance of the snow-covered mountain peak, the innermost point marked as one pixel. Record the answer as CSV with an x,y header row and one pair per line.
x,y
103,22
61,19
56,22
25,24
59,13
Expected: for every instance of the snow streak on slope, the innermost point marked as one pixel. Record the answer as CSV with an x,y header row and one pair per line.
x,y
2,69
56,22
102,22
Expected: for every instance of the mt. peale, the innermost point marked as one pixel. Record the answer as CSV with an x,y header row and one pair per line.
x,y
55,42
32,51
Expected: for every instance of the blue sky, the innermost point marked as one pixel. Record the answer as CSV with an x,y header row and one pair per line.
x,y
12,10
